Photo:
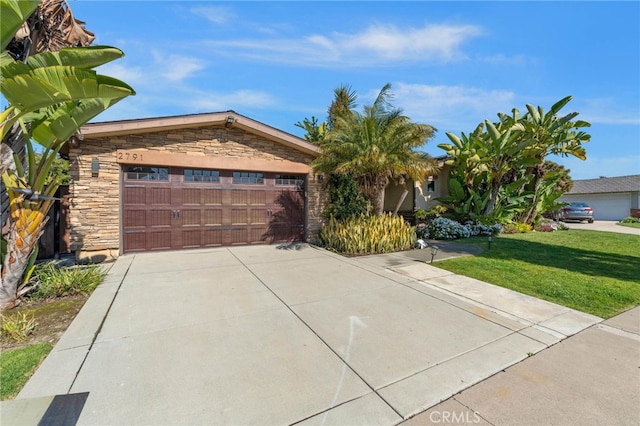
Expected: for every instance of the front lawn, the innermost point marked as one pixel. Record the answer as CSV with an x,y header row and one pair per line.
x,y
18,365
594,272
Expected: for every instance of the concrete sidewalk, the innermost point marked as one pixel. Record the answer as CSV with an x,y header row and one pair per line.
x,y
588,379
281,335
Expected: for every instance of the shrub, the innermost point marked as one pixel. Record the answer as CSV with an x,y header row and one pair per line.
x,y
630,219
345,199
516,228
434,212
55,281
442,228
367,234
545,225
17,327
479,228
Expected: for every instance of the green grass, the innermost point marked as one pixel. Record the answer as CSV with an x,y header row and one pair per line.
x,y
18,365
594,272
630,225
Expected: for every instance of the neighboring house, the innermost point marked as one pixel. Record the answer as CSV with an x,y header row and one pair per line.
x,y
612,198
191,181
419,196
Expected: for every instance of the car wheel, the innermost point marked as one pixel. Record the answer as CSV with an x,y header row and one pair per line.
x,y
590,220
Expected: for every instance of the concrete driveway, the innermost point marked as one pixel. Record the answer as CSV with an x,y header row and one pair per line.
x,y
282,335
603,225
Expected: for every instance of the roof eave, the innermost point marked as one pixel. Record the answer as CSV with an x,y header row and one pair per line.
x,y
227,118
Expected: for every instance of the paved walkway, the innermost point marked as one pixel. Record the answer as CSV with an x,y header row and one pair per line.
x,y
588,379
282,335
603,225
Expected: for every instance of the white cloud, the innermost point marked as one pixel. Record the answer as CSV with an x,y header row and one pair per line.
x,y
376,45
216,14
177,68
451,108
130,75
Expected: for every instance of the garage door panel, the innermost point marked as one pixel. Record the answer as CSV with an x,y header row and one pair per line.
x,y
212,217
239,217
135,195
191,196
191,239
159,196
192,217
257,198
239,236
212,237
176,213
258,216
211,197
159,218
159,240
135,218
256,233
135,241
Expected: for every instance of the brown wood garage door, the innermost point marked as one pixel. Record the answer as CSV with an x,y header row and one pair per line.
x,y
174,208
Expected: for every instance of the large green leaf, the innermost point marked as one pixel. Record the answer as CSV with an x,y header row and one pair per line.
x,y
61,123
79,57
13,13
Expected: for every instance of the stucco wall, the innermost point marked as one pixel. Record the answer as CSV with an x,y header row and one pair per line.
x,y
95,200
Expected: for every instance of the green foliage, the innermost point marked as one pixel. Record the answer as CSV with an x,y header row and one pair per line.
x,y
18,365
499,169
376,146
434,212
368,234
17,326
55,281
630,219
315,131
345,200
57,92
59,170
516,228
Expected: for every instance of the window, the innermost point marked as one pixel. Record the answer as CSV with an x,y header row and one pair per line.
x,y
431,184
289,180
249,178
197,175
147,173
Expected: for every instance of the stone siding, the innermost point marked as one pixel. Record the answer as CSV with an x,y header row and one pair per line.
x,y
96,201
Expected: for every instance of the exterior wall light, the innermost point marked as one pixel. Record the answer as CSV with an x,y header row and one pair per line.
x,y
95,166
229,122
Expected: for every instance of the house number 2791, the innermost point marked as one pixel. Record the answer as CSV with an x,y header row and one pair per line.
x,y
128,156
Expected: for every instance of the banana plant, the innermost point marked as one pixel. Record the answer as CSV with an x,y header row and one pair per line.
x,y
50,96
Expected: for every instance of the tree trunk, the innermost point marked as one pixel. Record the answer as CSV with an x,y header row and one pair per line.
x,y
15,263
530,215
495,190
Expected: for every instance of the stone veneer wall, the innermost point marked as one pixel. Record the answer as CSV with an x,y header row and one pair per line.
x,y
95,201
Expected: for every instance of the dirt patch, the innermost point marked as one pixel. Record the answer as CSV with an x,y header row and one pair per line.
x,y
52,317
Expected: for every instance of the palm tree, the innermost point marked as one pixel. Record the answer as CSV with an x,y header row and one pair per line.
x,y
375,146
50,96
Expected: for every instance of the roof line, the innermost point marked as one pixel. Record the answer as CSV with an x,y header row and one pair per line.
x,y
228,119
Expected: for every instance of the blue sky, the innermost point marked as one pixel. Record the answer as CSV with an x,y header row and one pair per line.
x,y
451,64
